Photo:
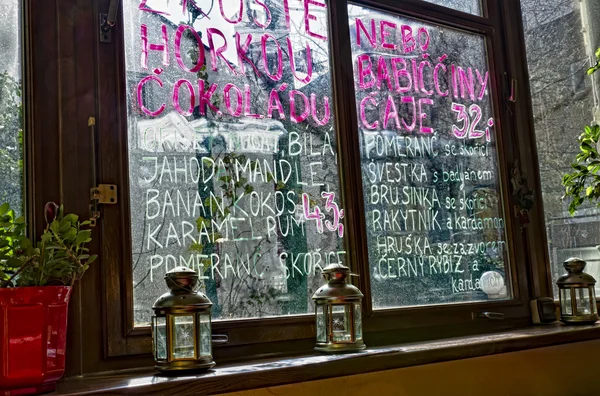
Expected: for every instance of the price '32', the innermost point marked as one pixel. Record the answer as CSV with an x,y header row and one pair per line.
x,y
470,121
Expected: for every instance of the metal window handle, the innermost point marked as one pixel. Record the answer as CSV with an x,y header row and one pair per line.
x,y
487,315
220,339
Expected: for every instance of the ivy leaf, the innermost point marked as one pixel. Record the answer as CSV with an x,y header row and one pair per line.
x,y
589,191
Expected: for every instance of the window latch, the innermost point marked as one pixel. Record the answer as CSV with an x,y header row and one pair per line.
x,y
107,21
99,193
219,339
487,315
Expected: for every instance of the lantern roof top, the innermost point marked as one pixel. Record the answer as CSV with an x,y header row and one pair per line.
x,y
575,274
182,282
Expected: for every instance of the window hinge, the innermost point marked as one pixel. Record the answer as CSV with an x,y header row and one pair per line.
x,y
101,194
107,21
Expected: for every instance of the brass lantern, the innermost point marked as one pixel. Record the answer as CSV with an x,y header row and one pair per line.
x,y
338,307
576,293
181,331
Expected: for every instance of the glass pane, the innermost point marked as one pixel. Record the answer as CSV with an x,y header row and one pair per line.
x,y
183,337
561,38
468,6
358,321
434,213
565,301
160,337
11,107
205,335
340,322
583,302
321,324
232,152
594,307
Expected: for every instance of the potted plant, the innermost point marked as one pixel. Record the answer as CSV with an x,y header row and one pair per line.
x,y
584,182
35,286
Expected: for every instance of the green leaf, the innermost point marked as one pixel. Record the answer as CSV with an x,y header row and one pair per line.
x,y
589,191
4,208
84,236
72,218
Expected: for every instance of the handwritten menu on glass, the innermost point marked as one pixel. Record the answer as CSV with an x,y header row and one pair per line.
x,y
232,152
434,216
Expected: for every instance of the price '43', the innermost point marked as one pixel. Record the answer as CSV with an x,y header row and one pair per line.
x,y
470,121
318,216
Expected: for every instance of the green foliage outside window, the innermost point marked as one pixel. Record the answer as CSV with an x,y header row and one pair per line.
x,y
583,184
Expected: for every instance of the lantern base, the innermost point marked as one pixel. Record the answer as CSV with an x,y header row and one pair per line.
x,y
341,348
579,320
181,366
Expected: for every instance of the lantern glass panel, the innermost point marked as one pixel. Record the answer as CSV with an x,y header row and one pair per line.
x,y
204,335
183,337
321,323
358,321
583,301
340,322
565,301
593,300
160,337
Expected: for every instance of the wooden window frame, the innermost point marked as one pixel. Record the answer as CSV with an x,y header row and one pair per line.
x,y
101,336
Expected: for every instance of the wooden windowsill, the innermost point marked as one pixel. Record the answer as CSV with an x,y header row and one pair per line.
x,y
266,373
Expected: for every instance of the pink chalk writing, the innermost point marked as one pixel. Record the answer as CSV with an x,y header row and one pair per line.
x,y
338,214
178,36
176,104
310,17
240,12
164,46
140,96
315,215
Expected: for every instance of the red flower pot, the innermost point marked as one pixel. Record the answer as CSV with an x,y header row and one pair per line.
x,y
33,335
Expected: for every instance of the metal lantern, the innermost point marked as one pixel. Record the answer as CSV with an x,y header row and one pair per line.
x,y
338,307
181,331
576,293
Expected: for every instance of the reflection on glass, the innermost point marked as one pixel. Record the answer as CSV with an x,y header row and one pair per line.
x,y
321,324
11,106
358,321
232,153
160,337
340,322
205,336
583,302
468,6
430,174
565,301
561,38
183,337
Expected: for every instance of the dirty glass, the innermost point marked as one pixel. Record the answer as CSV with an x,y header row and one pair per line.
x,y
232,152
561,37
434,215
11,106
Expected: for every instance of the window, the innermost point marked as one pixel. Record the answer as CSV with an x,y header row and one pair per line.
x,y
232,153
434,216
257,142
560,38
11,108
